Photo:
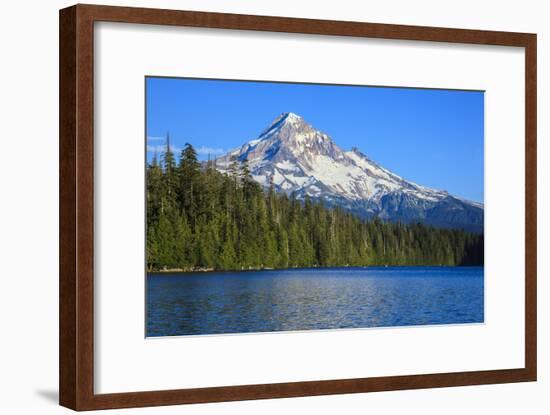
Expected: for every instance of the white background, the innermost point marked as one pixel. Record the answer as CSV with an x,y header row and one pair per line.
x,y
29,250
200,361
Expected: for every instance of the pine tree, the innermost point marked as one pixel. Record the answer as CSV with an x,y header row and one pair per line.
x,y
169,170
188,176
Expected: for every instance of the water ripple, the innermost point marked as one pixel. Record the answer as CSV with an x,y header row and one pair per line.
x,y
312,299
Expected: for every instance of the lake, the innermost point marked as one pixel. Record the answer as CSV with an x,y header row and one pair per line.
x,y
312,299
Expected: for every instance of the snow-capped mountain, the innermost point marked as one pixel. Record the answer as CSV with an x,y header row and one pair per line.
x,y
298,159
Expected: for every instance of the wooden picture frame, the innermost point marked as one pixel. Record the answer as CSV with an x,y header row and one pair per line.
x,y
76,233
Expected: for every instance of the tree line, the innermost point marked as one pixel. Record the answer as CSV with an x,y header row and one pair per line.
x,y
199,218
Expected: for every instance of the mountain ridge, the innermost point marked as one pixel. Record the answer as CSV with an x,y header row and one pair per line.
x,y
298,159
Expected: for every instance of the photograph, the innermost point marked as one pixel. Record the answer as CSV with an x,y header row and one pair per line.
x,y
289,206
268,208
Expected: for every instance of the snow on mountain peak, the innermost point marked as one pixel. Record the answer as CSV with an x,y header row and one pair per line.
x,y
290,116
284,118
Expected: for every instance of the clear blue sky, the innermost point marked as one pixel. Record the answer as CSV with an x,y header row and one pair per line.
x,y
432,137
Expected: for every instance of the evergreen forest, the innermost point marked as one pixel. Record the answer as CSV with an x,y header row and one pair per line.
x,y
201,219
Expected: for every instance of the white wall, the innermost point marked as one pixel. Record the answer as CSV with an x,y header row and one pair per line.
x,y
28,212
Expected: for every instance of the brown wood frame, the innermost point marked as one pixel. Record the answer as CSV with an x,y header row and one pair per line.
x,y
76,156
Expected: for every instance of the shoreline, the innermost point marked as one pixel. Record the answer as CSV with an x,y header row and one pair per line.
x,y
213,270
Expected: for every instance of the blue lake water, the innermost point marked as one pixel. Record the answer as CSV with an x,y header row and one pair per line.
x,y
312,299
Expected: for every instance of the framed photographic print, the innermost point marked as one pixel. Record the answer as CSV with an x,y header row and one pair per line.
x,y
257,207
